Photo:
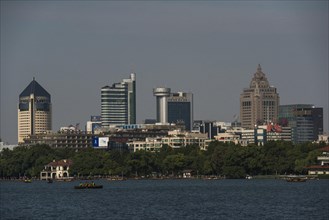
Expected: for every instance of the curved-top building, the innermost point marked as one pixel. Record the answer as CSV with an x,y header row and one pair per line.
x,y
259,103
34,111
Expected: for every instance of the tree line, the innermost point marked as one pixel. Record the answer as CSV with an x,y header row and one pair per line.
x,y
221,159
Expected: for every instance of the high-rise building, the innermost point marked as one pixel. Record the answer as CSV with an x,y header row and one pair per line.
x,y
34,111
305,120
118,102
161,95
259,103
174,107
180,109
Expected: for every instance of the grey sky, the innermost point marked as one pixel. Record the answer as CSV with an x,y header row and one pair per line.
x,y
209,48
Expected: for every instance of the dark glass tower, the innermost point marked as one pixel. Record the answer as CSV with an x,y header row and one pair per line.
x,y
305,120
180,109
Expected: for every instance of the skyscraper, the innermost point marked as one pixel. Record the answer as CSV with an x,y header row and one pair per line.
x,y
305,120
34,111
180,109
174,107
118,102
259,103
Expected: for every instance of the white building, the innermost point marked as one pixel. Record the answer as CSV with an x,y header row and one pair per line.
x,y
175,139
58,170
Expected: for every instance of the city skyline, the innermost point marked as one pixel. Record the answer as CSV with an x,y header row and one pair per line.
x,y
211,49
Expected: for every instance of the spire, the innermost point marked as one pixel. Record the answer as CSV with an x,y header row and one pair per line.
x,y
259,68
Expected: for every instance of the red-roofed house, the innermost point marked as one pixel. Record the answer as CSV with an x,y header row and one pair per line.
x,y
58,170
323,167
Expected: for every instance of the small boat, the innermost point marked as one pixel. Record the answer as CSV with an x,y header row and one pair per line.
x,y
27,181
296,179
88,186
49,181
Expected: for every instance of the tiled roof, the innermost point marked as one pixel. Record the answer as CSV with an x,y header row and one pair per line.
x,y
324,149
35,88
63,162
318,167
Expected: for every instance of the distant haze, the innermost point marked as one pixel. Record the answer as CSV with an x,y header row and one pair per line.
x,y
211,49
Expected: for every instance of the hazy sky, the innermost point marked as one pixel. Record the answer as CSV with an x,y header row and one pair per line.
x,y
211,49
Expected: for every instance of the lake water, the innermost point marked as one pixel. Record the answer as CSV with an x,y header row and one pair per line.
x,y
167,199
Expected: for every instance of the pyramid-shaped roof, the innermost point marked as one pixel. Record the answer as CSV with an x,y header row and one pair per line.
x,y
34,88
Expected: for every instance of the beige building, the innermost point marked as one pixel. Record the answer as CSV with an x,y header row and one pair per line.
x,y
34,111
58,170
259,104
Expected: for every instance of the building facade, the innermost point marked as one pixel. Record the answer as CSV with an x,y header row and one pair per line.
x,y
174,108
58,170
259,103
61,139
180,109
306,121
118,102
34,111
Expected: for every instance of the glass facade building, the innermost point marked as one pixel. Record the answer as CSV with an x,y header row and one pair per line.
x,y
305,120
118,103
180,109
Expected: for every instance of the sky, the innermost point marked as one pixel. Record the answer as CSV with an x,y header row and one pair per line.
x,y
209,48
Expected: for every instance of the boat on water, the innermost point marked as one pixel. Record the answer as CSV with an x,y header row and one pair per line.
x,y
27,181
296,179
49,181
88,186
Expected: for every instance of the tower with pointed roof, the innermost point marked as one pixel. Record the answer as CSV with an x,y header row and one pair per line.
x,y
34,111
259,104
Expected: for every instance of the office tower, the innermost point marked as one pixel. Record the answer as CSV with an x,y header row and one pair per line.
x,y
180,109
34,111
259,103
305,120
174,108
118,102
161,95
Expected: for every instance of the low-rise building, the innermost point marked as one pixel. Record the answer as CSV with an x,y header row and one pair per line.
x,y
323,163
61,139
58,170
150,144
174,139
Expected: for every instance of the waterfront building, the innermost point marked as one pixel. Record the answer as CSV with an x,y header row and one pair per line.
x,y
149,144
58,170
323,163
259,135
174,139
174,108
61,139
306,121
259,104
118,102
179,139
34,111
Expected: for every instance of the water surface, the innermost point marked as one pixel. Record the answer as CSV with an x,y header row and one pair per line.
x,y
167,199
